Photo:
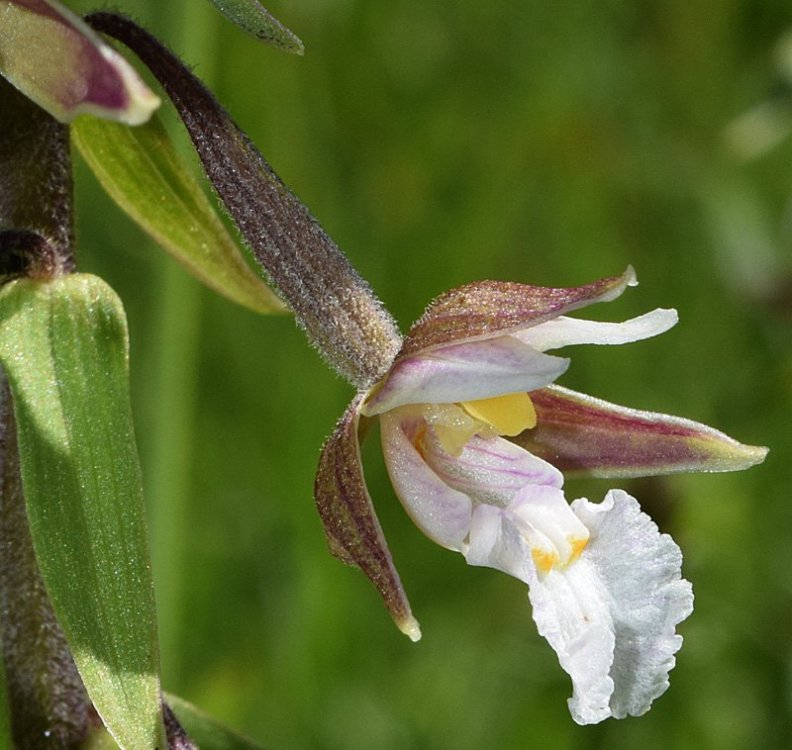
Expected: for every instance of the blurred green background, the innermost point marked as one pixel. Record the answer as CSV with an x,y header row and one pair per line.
x,y
440,142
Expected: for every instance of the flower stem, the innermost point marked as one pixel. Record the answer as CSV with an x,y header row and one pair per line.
x,y
36,186
48,704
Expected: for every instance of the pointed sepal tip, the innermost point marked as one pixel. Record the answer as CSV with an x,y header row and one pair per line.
x,y
410,627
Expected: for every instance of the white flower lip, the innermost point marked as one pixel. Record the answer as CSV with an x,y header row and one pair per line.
x,y
605,585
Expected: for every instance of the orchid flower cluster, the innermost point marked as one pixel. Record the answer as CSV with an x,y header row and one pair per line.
x,y
476,434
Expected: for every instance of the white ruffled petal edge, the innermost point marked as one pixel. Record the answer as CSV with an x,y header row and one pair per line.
x,y
611,615
571,610
641,570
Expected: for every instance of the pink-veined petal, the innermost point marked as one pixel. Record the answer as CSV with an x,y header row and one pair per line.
x,y
580,434
440,511
464,372
491,470
486,309
351,525
564,331
59,62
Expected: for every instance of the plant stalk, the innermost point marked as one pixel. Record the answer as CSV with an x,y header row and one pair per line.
x,y
49,707
36,188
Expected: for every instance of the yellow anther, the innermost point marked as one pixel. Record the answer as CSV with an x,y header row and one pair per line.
x,y
453,427
453,439
508,415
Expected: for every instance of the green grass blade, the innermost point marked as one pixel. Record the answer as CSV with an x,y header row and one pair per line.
x,y
141,170
251,16
63,344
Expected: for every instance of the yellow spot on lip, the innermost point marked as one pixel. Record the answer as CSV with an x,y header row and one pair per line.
x,y
544,561
578,544
510,414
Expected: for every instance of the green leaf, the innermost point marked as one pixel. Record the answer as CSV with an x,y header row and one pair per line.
x,y
208,733
63,345
142,172
251,16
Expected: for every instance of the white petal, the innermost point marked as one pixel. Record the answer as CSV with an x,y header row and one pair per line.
x,y
546,510
611,615
501,541
465,372
570,608
491,470
641,570
440,511
564,331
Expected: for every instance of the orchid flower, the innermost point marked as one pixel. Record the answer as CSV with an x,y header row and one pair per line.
x,y
475,433
475,436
